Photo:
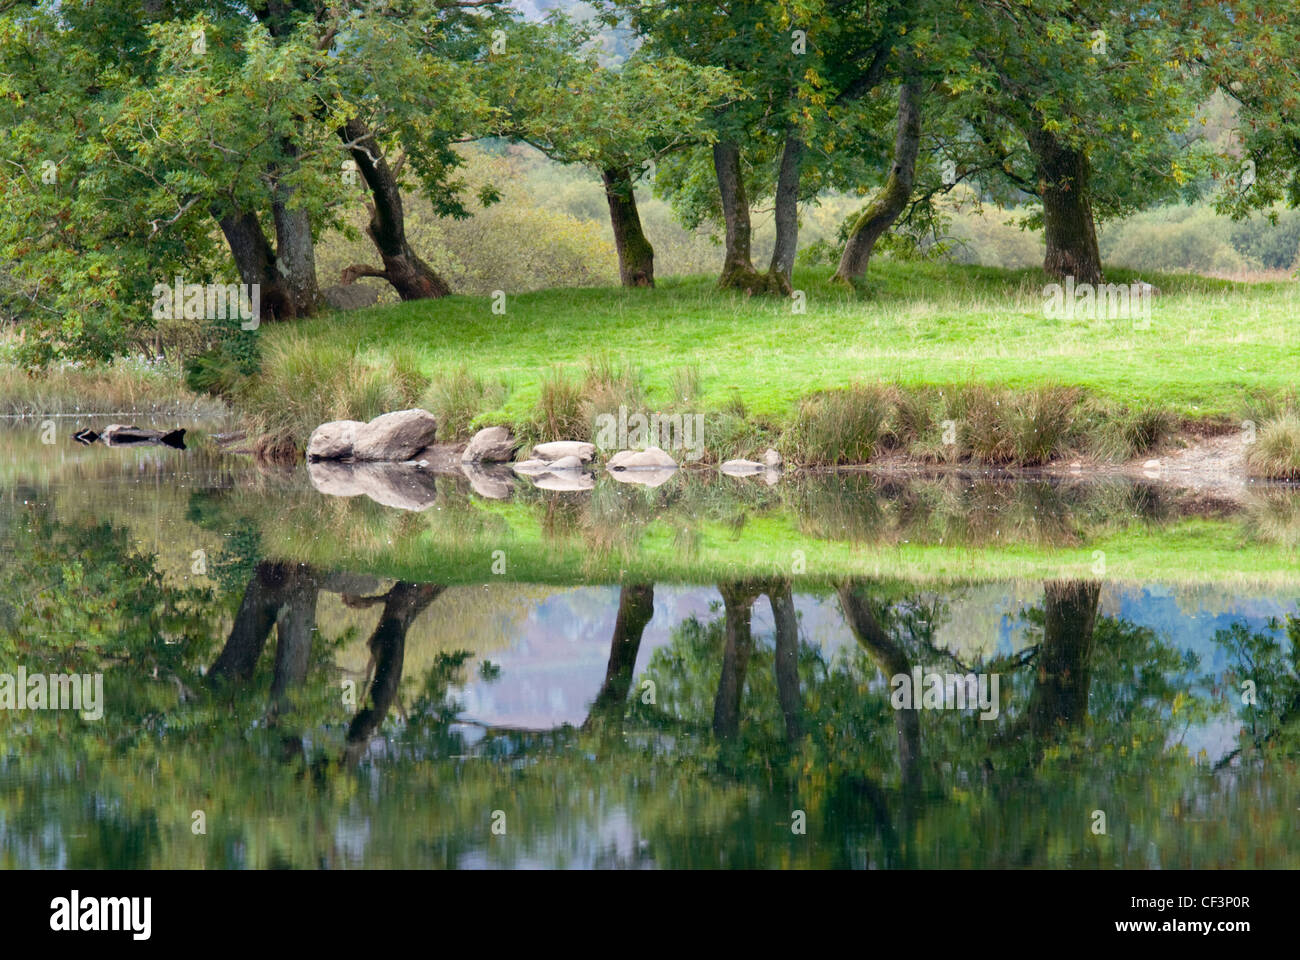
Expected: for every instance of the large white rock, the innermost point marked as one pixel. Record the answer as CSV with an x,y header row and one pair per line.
x,y
489,445
333,440
742,468
651,458
645,476
565,448
395,436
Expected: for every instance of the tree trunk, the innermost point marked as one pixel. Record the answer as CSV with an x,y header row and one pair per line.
x,y
786,661
1060,696
295,252
781,269
636,606
880,215
636,258
1068,227
737,268
255,260
738,601
410,276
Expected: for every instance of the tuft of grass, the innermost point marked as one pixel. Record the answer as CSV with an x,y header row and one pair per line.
x,y
608,385
1275,454
1124,434
685,384
559,414
840,426
457,397
305,382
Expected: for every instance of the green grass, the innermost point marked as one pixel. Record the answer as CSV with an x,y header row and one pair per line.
x,y
1209,344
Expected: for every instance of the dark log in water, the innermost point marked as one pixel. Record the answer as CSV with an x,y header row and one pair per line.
x,y
120,435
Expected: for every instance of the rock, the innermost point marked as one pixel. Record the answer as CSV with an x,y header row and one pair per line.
x,y
567,480
564,463
333,440
1151,465
652,458
771,458
490,445
493,482
530,468
771,476
565,448
395,436
645,476
742,468
350,296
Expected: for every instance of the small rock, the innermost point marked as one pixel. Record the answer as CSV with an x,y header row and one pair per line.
x,y
1151,465
564,463
530,468
395,436
565,448
651,458
333,440
771,458
742,468
489,445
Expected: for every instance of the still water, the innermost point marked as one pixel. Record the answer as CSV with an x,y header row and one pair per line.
x,y
708,674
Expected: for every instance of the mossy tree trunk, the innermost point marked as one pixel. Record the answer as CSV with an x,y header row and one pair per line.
x,y
1068,226
880,215
409,275
781,270
737,267
636,258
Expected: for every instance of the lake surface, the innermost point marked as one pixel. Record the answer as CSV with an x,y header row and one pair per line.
x,y
707,673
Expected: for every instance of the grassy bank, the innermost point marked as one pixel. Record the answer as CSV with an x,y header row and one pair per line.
x,y
88,393
924,344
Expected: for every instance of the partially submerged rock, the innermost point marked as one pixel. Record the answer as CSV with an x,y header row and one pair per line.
x,y
772,459
490,445
389,438
645,476
565,448
395,436
742,468
333,440
651,458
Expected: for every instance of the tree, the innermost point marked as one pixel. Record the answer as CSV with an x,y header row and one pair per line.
x,y
556,96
